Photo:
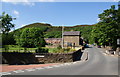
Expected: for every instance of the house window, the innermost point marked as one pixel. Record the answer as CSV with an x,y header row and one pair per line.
x,y
69,44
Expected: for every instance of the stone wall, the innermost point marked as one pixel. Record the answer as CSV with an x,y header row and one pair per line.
x,y
15,58
30,58
54,57
110,51
59,57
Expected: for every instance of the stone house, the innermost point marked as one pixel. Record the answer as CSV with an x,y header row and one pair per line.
x,y
72,39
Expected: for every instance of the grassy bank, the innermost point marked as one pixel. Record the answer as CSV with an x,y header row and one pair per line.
x,y
16,48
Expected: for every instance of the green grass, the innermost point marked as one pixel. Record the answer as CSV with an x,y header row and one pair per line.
x,y
52,50
56,50
16,48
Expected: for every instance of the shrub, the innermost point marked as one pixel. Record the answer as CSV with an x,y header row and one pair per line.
x,y
59,47
41,50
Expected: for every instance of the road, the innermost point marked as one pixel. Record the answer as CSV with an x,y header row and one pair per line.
x,y
97,64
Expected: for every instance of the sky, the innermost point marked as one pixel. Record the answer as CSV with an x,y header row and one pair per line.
x,y
54,12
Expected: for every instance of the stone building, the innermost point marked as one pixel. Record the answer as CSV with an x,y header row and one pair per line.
x,y
72,39
53,42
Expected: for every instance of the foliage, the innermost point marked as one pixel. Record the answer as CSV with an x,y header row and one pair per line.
x,y
107,30
8,39
30,37
53,34
60,50
41,50
59,47
6,23
16,48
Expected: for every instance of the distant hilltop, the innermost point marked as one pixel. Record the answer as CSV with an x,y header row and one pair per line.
x,y
49,25
51,31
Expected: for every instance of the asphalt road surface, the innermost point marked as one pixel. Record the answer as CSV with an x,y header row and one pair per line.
x,y
97,64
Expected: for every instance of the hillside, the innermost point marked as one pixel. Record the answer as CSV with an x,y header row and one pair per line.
x,y
37,25
56,31
50,28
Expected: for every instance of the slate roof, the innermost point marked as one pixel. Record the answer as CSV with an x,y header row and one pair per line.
x,y
71,33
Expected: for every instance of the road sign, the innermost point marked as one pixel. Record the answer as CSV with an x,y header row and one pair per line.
x,y
118,41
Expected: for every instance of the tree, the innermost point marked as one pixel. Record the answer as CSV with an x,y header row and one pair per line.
x,y
107,29
8,39
53,34
6,23
30,37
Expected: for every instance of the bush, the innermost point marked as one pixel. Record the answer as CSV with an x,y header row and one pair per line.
x,y
59,47
30,38
41,50
66,49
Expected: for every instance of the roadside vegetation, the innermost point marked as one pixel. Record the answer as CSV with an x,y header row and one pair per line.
x,y
16,48
107,30
57,50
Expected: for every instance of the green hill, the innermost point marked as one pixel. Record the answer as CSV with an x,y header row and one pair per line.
x,y
56,31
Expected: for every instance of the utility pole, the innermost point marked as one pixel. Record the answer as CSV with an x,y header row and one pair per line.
x,y
62,37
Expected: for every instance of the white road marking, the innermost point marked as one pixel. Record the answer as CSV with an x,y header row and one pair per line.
x,y
39,68
30,69
61,64
67,64
56,66
5,73
48,67
18,71
74,62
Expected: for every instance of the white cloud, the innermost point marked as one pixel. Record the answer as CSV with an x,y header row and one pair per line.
x,y
24,2
31,2
27,1
16,13
116,0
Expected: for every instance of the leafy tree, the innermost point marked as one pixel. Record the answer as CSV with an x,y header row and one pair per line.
x,y
8,39
53,34
30,37
107,29
6,23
